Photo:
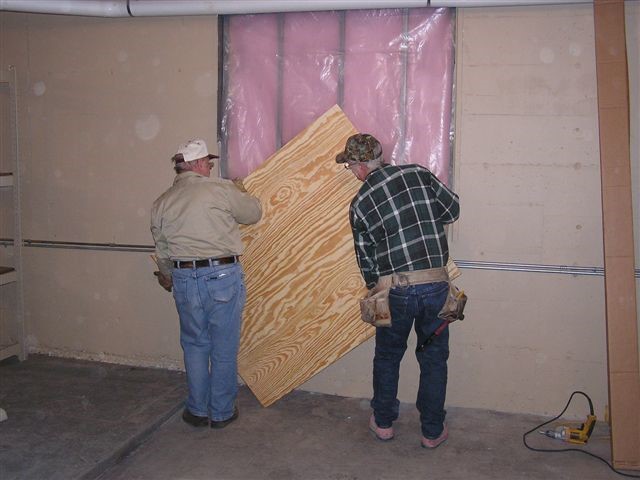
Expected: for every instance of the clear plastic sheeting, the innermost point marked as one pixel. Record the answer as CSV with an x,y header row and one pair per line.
x,y
391,71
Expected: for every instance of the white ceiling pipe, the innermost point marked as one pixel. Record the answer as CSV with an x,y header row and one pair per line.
x,y
229,7
152,8
98,8
500,3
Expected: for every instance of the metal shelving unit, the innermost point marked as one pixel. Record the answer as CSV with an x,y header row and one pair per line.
x,y
12,343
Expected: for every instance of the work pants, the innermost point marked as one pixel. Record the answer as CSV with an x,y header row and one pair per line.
x,y
417,306
209,301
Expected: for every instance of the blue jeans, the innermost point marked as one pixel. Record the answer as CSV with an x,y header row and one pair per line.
x,y
209,302
422,304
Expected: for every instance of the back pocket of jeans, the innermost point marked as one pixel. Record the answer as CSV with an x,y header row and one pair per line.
x,y
222,286
398,302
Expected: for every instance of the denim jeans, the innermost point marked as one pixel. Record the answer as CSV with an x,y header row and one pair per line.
x,y
209,302
419,303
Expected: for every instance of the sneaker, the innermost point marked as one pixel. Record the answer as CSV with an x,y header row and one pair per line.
x,y
384,434
194,420
224,423
435,442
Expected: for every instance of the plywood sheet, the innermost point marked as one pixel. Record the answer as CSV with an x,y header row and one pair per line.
x,y
303,282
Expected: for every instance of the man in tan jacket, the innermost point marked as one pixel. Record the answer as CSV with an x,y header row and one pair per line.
x,y
195,226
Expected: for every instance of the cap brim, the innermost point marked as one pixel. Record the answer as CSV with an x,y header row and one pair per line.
x,y
179,158
341,158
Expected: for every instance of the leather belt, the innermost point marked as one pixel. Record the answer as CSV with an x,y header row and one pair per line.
x,y
207,262
415,277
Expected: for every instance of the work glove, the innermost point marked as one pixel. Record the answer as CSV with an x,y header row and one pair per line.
x,y
164,281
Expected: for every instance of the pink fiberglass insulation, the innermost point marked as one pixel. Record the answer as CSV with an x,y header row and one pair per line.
x,y
395,69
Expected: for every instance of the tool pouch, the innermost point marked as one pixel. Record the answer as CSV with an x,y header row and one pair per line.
x,y
374,309
453,308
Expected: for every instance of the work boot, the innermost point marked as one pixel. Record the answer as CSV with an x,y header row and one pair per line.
x,y
435,442
224,423
384,434
194,420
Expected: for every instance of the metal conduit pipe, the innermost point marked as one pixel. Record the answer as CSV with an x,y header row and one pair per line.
x,y
156,8
533,268
463,264
109,247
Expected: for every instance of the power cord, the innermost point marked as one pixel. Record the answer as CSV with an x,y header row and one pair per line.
x,y
524,438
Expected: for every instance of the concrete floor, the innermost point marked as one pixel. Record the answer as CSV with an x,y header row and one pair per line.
x,y
72,419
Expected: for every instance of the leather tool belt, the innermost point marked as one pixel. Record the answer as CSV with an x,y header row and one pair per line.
x,y
453,308
374,308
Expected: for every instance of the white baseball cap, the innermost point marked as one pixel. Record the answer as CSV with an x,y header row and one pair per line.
x,y
192,150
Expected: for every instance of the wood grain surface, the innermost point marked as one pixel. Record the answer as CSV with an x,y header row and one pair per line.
x,y
303,283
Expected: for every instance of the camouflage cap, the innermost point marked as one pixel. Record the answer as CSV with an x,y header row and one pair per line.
x,y
360,147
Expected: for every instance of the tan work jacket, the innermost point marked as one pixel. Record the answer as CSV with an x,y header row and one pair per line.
x,y
198,218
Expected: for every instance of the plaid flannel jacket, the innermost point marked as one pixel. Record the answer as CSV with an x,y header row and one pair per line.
x,y
397,220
